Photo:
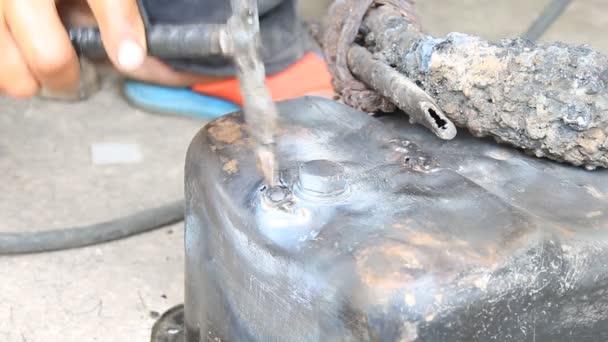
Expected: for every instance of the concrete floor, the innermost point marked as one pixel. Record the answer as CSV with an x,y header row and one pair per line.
x,y
113,292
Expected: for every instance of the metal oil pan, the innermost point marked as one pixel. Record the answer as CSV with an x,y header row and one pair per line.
x,y
382,232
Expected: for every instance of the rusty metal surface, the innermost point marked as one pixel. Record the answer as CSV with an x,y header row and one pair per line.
x,y
450,241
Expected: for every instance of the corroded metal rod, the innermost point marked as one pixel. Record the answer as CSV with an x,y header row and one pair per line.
x,y
406,95
549,99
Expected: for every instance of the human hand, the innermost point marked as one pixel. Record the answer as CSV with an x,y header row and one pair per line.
x,y
37,53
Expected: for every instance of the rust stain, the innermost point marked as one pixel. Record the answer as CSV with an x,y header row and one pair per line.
x,y
406,256
591,140
231,167
490,258
389,281
491,250
226,130
382,267
393,265
425,239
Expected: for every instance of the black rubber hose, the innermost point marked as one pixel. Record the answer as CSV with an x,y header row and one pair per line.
x,y
550,14
68,238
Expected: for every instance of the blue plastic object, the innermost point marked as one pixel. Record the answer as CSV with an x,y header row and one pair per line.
x,y
176,101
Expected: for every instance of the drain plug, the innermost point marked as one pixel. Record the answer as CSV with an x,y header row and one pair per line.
x,y
321,178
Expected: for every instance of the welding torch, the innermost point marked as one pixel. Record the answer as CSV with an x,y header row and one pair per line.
x,y
239,39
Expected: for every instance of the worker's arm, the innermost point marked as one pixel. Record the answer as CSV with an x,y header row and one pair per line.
x,y
37,53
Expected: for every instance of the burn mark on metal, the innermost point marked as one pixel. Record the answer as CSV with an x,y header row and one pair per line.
x,y
461,242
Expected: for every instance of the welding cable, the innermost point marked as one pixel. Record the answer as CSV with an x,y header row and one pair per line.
x,y
76,237
550,14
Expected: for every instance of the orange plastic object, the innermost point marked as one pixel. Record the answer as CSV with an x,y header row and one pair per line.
x,y
307,76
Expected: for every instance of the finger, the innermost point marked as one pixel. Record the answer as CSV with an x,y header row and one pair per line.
x,y
122,31
75,13
15,78
43,41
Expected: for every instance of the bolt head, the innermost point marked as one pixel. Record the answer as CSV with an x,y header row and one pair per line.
x,y
322,177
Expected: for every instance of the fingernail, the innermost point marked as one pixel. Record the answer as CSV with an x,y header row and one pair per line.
x,y
130,55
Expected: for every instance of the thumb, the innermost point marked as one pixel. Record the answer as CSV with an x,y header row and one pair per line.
x,y
122,31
